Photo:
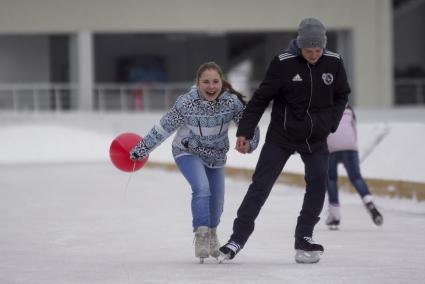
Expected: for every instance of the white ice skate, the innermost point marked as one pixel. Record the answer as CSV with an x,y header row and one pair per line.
x,y
214,244
333,219
202,243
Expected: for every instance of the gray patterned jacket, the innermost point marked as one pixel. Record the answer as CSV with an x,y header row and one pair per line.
x,y
202,128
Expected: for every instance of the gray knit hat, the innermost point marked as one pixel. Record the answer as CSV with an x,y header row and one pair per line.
x,y
311,33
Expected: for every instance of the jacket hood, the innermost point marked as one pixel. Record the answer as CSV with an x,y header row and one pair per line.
x,y
293,48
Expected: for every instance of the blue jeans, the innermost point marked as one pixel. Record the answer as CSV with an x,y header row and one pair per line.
x,y
350,160
207,190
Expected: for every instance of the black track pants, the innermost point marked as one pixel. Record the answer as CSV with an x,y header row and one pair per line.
x,y
270,164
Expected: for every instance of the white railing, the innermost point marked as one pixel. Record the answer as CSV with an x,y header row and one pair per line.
x,y
37,97
138,97
106,96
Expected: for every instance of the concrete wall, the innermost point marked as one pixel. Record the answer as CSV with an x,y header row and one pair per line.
x,y
24,58
409,31
370,22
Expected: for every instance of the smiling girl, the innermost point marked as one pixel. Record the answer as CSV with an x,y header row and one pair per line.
x,y
201,118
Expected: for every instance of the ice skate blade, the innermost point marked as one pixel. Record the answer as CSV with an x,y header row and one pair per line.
x,y
333,227
202,256
302,256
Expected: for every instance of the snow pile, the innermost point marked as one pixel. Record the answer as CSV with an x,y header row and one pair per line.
x,y
388,150
31,143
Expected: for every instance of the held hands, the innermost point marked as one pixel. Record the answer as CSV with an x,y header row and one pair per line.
x,y
242,145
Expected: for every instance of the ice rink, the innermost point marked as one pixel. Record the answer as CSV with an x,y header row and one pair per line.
x,y
78,223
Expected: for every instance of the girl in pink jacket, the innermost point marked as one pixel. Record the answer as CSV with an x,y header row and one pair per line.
x,y
343,149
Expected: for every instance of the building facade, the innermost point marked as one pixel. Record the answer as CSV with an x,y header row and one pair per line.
x,y
72,53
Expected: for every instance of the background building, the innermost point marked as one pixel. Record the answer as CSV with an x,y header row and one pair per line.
x,y
409,46
126,55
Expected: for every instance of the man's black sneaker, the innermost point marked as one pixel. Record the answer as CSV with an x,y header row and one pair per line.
x,y
228,251
374,213
307,251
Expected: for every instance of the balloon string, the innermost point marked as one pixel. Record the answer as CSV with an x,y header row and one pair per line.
x,y
128,180
125,194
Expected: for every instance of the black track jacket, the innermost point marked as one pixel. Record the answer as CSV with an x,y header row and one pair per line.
x,y
308,100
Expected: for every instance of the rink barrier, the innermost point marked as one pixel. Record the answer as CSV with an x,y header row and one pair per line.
x,y
379,187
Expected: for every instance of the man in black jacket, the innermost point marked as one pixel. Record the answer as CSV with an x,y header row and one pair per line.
x,y
309,89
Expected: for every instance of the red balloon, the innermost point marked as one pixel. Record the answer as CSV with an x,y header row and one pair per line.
x,y
119,152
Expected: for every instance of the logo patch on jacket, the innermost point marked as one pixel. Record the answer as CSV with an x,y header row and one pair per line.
x,y
327,78
297,78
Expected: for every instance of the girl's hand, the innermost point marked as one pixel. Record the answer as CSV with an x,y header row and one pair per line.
x,y
242,145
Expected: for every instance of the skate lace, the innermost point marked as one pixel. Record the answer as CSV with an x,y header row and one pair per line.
x,y
200,238
235,247
309,240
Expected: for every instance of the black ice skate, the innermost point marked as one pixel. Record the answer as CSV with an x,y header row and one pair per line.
x,y
307,251
374,213
228,251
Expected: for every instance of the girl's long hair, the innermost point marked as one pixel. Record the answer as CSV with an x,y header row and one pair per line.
x,y
226,85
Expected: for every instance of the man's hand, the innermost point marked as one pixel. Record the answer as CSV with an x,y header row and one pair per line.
x,y
242,145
